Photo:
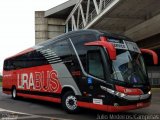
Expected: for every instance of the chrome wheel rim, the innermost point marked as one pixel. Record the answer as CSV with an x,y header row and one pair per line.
x,y
71,102
14,93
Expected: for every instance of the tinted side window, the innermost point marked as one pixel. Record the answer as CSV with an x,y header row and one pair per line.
x,y
19,62
56,51
81,49
95,64
80,40
61,48
5,65
35,58
31,59
8,65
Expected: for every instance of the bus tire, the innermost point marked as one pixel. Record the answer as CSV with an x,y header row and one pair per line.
x,y
14,93
69,102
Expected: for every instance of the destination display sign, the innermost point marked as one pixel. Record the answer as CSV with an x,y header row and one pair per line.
x,y
119,44
125,45
132,46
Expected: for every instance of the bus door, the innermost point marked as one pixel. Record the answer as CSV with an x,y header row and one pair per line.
x,y
98,72
99,68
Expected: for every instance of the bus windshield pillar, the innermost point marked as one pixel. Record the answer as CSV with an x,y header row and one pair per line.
x,y
109,46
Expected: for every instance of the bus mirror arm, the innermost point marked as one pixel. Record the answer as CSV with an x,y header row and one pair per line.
x,y
109,46
151,52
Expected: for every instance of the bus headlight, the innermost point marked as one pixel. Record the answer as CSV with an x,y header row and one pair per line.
x,y
113,92
149,92
119,94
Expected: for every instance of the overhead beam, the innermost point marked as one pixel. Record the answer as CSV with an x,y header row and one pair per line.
x,y
113,28
150,42
101,14
126,17
73,11
84,18
58,8
146,29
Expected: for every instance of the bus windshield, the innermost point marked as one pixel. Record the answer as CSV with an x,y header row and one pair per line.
x,y
129,67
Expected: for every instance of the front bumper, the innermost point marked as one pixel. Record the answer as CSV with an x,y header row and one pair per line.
x,y
109,108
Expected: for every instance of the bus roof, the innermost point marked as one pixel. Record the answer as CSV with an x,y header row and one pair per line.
x,y
89,31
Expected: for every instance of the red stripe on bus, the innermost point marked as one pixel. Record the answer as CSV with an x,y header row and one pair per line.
x,y
50,99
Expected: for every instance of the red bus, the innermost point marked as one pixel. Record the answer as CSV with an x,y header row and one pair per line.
x,y
85,68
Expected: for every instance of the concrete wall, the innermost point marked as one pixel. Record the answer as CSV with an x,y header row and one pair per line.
x,y
55,27
154,75
41,27
47,28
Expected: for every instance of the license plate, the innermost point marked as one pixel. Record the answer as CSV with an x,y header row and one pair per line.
x,y
139,104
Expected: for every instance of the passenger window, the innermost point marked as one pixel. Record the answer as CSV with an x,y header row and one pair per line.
x,y
61,48
8,65
95,64
79,41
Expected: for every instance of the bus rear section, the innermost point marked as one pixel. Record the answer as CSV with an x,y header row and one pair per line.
x,y
86,68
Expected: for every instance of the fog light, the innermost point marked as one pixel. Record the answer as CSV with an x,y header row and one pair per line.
x,y
116,104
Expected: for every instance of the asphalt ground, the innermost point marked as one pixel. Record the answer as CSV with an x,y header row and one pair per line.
x,y
29,109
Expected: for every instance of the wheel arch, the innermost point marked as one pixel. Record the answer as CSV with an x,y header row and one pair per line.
x,y
67,88
13,86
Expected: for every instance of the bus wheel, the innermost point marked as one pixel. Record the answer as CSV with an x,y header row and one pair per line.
x,y
14,93
69,102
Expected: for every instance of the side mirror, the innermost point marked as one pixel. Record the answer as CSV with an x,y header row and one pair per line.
x,y
151,52
109,46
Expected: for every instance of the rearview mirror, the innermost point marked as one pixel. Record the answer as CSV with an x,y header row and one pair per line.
x,y
151,52
109,47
